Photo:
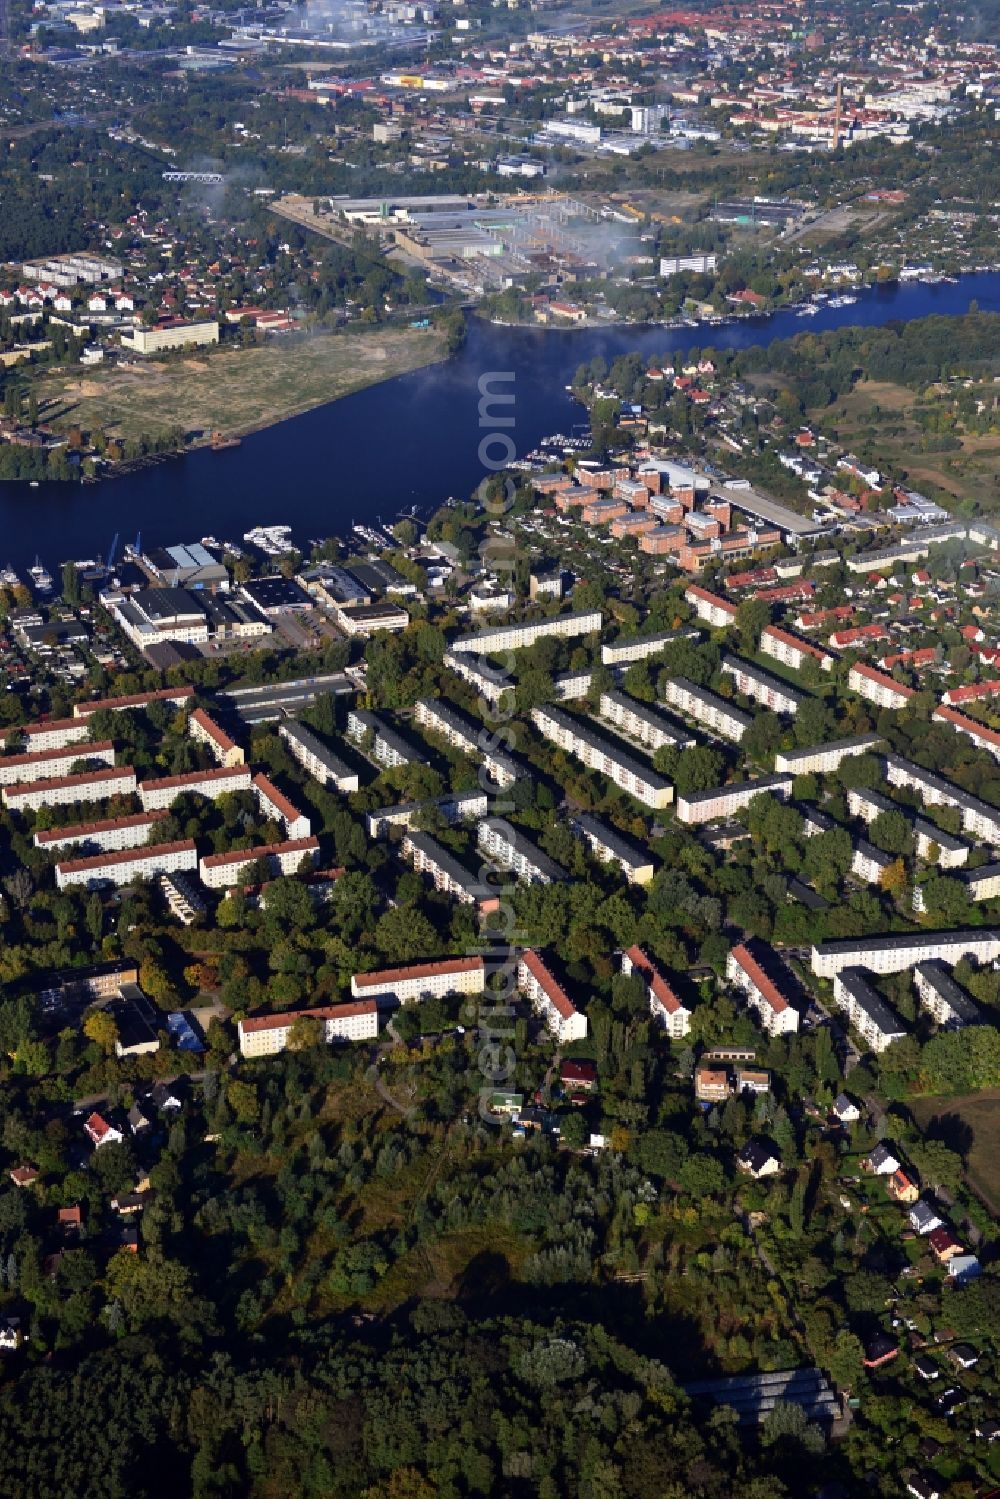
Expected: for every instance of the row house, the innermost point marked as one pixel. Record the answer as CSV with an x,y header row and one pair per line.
x,y
947,1003
518,636
866,1010
267,1035
612,847
858,636
781,645
955,696
54,733
979,819
220,781
627,649
707,708
775,1013
456,806
416,981
510,849
905,950
315,758
716,611
549,999
825,759
759,685
274,804
448,873
86,786
877,687
643,723
128,864
669,1012
204,730
177,697
815,619
388,748
43,765
110,835
600,754
223,871
725,801
981,736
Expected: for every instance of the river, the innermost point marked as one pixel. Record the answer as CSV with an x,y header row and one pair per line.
x,y
411,441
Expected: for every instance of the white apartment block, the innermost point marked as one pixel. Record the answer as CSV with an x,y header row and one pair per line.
x,y
759,685
724,801
223,871
893,954
88,786
868,863
943,999
774,1013
878,687
706,708
128,864
669,1012
641,722
463,733
632,648
387,747
418,980
221,780
598,753
710,607
935,846
979,819
275,804
453,807
866,1010
52,764
982,736
825,759
612,847
490,683
783,646
314,757
179,697
170,335
267,1035
110,835
204,730
54,734
510,849
517,636
549,999
450,876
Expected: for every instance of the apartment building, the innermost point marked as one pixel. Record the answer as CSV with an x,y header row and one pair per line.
x,y
472,738
598,753
625,651
825,759
86,786
416,981
204,730
510,849
716,611
214,783
171,333
612,847
489,682
388,748
783,646
866,1010
906,950
572,685
267,1035
724,801
109,835
54,733
53,764
706,708
448,873
275,804
642,723
981,736
314,757
979,819
775,1013
177,697
453,807
947,1003
759,685
519,635
549,999
128,864
932,844
669,1012
223,871
868,863
878,687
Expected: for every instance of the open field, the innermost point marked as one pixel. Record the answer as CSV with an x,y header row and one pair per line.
x,y
971,1122
233,391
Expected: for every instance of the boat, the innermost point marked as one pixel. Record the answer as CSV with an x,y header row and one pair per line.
x,y
41,579
808,311
8,577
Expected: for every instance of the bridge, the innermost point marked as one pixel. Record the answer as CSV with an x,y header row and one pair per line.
x,y
191,176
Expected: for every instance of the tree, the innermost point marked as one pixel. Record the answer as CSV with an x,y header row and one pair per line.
x,y
402,934
699,769
101,1027
937,1165
306,1032
891,832
945,899
846,1360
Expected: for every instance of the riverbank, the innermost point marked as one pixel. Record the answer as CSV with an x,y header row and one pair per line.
x,y
232,392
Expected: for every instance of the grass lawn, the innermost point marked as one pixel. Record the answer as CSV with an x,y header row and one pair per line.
x,y
233,391
980,1114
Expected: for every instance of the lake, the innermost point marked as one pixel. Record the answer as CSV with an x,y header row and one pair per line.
x,y
411,441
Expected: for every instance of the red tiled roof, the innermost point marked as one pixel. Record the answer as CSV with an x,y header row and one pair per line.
x,y
416,970
248,855
550,984
212,729
44,727
125,855
710,598
82,778
967,725
882,678
105,825
658,985
195,777
278,799
326,1012
71,751
133,700
759,978
786,636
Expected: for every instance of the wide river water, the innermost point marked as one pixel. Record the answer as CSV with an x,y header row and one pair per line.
x,y
411,441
